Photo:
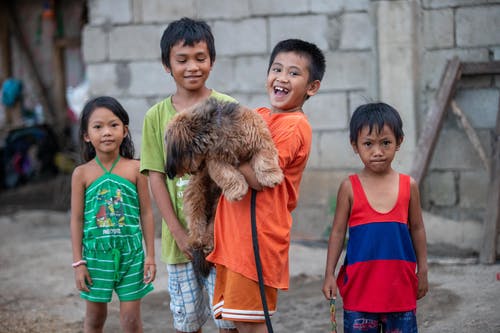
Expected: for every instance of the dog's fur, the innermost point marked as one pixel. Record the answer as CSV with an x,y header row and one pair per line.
x,y
209,141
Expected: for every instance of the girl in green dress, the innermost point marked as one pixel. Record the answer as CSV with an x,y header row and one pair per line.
x,y
110,217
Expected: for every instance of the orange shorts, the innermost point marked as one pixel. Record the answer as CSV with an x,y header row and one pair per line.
x,y
237,298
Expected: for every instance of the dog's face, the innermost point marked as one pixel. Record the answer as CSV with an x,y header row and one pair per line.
x,y
187,139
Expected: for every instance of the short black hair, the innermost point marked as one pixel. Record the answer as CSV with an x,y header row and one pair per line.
x,y
87,150
316,58
188,31
375,115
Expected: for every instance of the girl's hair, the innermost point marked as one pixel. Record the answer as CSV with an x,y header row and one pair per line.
x,y
110,103
375,115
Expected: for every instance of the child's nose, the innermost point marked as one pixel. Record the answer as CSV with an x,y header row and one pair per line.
x,y
192,65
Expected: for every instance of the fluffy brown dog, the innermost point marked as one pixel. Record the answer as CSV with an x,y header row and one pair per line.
x,y
209,141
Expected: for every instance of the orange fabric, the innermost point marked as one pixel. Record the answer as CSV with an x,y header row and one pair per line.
x,y
237,298
292,136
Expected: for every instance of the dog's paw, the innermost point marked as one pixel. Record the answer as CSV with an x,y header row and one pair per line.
x,y
236,192
271,178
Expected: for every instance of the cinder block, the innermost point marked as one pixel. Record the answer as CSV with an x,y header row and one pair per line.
x,y
473,189
95,44
223,9
102,79
245,37
150,79
348,71
165,11
478,26
135,42
357,32
327,111
273,7
440,189
312,28
438,28
110,11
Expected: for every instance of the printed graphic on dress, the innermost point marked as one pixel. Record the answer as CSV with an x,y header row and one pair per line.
x,y
110,213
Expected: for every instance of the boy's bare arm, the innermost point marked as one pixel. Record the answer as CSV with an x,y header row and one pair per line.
x,y
417,232
164,204
148,226
337,238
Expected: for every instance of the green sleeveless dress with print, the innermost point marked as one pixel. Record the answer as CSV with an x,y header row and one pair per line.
x,y
112,239
112,213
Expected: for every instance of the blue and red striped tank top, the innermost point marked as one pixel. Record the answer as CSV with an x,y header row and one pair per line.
x,y
379,272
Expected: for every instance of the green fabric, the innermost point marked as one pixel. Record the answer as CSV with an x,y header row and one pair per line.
x,y
112,214
153,159
126,279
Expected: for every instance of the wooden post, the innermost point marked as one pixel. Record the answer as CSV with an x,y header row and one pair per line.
x,y
59,88
434,120
42,93
5,49
491,224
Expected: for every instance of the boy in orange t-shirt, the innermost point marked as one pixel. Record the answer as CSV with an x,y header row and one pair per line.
x,y
295,71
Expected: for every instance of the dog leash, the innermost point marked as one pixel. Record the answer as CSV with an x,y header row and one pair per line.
x,y
258,264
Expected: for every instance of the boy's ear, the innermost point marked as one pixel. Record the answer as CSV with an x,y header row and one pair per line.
x,y
313,87
354,147
398,145
167,69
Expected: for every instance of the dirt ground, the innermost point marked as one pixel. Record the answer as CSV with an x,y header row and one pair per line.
x,y
37,291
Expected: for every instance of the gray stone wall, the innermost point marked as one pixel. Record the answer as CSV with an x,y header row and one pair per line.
x,y
457,182
376,50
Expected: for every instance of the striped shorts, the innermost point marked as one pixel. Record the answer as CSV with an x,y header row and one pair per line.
x,y
115,270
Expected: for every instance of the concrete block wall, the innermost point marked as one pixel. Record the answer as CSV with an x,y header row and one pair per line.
x,y
122,53
457,182
389,50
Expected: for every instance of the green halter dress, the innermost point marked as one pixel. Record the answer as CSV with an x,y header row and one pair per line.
x,y
112,213
112,238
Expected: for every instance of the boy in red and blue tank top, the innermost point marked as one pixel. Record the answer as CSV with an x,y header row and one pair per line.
x,y
385,267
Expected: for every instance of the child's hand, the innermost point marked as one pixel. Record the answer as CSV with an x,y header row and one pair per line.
x,y
82,278
330,286
182,240
423,284
149,270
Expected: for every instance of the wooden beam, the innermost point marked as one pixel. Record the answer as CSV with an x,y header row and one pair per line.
x,y
434,119
472,135
480,68
5,49
491,224
42,93
68,42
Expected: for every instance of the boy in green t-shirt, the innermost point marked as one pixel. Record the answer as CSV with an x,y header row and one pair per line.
x,y
188,54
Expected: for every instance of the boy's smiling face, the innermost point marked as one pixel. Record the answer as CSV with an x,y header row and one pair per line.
x,y
288,82
190,65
